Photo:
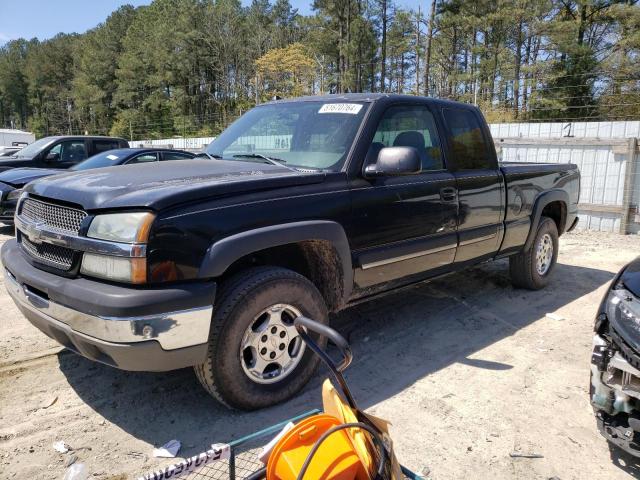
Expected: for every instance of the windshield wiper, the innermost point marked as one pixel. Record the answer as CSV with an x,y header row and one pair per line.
x,y
271,160
208,155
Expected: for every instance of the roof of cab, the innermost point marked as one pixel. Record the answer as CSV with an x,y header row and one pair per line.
x,y
99,137
369,97
136,150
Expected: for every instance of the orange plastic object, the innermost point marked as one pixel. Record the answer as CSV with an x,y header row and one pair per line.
x,y
335,459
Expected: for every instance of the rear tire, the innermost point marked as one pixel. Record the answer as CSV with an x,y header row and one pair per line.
x,y
246,303
531,269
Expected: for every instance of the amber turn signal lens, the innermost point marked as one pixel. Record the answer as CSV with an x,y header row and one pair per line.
x,y
138,270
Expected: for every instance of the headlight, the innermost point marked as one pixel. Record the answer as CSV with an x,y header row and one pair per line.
x,y
130,227
14,194
117,269
623,312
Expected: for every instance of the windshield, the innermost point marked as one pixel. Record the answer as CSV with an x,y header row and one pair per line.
x,y
34,148
104,159
315,135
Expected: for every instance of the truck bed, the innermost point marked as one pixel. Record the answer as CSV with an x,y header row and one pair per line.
x,y
525,182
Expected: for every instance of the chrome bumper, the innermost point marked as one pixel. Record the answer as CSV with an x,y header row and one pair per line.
x,y
172,330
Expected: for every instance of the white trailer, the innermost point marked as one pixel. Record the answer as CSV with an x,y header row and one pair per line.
x,y
10,137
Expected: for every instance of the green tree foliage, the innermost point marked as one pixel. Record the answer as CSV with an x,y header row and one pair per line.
x,y
286,72
95,81
49,71
189,67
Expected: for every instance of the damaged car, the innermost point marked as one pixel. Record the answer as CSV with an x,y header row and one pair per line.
x,y
615,361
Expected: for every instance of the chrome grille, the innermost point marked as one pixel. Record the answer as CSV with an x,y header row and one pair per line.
x,y
54,255
57,217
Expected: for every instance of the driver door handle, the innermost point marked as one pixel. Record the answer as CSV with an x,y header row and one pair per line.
x,y
448,194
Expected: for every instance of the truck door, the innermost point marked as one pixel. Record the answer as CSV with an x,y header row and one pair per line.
x,y
479,183
65,154
404,227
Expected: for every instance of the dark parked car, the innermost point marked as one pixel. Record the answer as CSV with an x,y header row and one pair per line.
x,y
615,362
12,181
312,205
60,152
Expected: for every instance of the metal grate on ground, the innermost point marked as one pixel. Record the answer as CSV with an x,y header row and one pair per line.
x,y
243,456
246,463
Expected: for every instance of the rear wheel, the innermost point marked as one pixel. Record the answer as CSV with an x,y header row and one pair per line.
x,y
256,357
531,269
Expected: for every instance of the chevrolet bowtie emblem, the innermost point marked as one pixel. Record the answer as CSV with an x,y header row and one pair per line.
x,y
34,232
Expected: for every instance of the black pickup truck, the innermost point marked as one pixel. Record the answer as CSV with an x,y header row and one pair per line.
x,y
308,206
60,152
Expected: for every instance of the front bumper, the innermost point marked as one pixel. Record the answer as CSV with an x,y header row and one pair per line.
x,y
615,396
142,329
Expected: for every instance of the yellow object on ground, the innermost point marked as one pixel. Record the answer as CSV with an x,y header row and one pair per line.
x,y
335,459
333,404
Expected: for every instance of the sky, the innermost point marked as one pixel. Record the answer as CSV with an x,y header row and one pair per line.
x,y
44,18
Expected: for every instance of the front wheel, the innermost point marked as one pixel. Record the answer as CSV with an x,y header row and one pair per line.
x,y
256,357
531,269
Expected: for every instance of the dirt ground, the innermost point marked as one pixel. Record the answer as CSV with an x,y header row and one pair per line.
x,y
467,369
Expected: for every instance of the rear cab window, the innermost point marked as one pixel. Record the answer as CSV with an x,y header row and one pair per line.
x,y
467,142
100,146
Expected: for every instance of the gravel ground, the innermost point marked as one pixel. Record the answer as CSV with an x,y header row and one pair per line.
x,y
466,368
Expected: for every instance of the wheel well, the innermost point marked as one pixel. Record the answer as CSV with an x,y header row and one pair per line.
x,y
557,211
316,260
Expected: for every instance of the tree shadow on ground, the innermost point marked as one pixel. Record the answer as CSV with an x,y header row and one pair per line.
x,y
397,340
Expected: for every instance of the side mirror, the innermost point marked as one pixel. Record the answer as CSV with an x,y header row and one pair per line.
x,y
52,157
395,161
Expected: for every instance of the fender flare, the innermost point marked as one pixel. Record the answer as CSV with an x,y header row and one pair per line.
x,y
542,201
222,253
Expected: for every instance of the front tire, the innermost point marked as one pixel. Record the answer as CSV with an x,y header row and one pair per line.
x,y
531,269
255,357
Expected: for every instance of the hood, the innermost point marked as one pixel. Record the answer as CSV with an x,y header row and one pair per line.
x,y
164,184
13,162
630,278
18,177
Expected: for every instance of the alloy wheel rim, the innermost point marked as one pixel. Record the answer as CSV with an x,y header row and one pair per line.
x,y
271,347
544,254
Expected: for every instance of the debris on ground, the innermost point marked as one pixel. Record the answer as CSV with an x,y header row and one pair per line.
x,y
168,450
77,471
525,455
60,447
49,402
554,316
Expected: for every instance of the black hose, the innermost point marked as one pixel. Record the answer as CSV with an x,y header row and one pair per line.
x,y
258,474
374,434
